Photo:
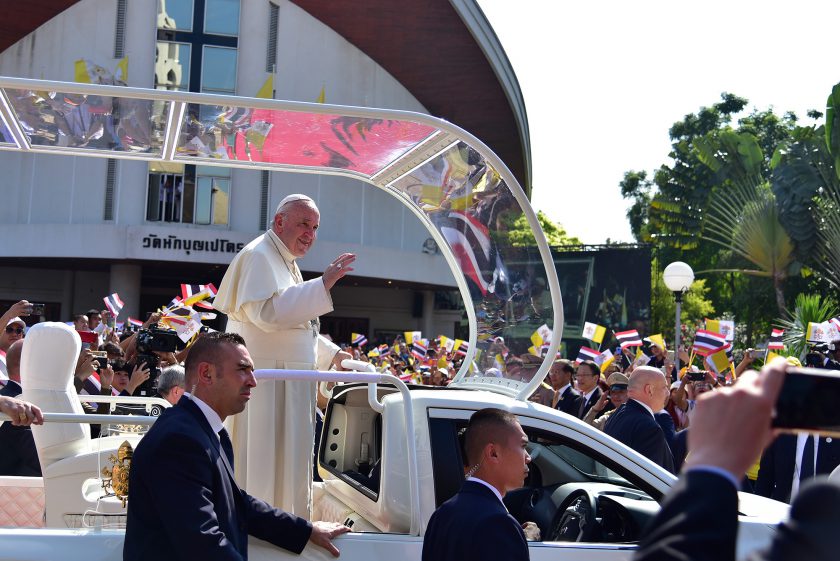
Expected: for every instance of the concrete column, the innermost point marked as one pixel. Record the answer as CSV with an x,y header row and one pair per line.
x,y
429,314
125,281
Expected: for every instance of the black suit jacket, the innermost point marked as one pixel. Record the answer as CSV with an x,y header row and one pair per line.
x,y
593,399
474,526
634,426
18,455
699,522
569,401
775,474
184,502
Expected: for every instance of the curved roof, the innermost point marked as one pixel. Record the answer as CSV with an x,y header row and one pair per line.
x,y
448,57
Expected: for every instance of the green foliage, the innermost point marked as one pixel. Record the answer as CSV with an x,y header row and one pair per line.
x,y
518,232
807,308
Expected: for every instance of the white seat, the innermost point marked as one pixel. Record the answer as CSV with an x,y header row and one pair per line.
x,y
69,457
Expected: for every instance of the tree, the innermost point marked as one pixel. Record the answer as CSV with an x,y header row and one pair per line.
x,y
808,308
519,234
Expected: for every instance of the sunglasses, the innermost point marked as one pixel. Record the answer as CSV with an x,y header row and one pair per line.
x,y
11,329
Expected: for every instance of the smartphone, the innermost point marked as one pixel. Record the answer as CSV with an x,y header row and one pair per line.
x,y
37,309
696,376
670,355
808,402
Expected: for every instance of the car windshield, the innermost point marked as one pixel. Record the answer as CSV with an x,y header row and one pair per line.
x,y
479,218
584,464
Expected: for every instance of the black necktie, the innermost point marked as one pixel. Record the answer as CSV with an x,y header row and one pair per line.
x,y
806,466
227,446
582,406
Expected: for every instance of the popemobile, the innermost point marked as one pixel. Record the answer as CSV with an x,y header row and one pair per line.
x,y
389,452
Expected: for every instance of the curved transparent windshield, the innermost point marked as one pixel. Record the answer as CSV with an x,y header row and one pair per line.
x,y
484,226
463,194
63,119
293,138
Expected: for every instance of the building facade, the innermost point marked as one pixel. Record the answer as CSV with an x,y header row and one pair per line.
x,y
82,228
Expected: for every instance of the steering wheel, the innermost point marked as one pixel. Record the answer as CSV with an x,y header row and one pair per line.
x,y
575,518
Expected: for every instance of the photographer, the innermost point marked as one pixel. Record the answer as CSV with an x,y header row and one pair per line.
x,y
127,383
824,355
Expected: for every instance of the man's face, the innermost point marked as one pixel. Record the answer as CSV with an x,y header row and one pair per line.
x,y
659,392
558,377
120,382
514,458
586,378
437,379
81,324
297,227
233,380
12,333
93,321
174,395
618,397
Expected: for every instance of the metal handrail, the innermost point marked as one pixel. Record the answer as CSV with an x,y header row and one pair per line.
x,y
93,419
373,380
125,400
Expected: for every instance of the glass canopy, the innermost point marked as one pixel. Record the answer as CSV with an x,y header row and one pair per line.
x,y
456,186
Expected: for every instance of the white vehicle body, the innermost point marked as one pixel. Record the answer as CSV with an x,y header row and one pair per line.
x,y
385,467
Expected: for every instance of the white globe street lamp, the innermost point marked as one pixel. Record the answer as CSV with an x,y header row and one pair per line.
x,y
678,277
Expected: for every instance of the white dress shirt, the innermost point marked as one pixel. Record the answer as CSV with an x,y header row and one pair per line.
x,y
212,417
495,491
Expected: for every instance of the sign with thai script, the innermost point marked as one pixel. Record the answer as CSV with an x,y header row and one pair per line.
x,y
185,244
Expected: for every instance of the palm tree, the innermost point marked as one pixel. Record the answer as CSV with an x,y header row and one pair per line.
x,y
743,216
808,308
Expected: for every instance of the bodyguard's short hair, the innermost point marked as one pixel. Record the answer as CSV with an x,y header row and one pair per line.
x,y
207,349
486,426
565,365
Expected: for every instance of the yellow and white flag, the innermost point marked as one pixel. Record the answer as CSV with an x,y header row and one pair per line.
x,y
594,332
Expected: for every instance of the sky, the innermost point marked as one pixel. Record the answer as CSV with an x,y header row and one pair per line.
x,y
604,80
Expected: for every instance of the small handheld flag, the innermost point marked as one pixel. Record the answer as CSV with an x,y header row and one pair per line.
x,y
657,340
585,353
358,339
706,342
775,341
114,304
718,361
594,332
629,338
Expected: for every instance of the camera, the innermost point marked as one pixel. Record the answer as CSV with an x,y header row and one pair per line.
x,y
151,341
100,359
37,309
815,358
699,376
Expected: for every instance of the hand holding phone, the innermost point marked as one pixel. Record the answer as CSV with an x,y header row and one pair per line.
x,y
809,402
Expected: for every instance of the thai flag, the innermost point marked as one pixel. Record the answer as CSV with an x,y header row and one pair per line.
x,y
114,304
135,322
629,338
358,339
585,353
706,342
384,350
418,349
775,341
463,349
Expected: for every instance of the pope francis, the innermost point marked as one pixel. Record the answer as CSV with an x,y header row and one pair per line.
x,y
276,311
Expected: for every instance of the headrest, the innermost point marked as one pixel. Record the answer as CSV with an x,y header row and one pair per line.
x,y
49,357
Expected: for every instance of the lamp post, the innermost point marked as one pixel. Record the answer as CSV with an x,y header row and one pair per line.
x,y
678,277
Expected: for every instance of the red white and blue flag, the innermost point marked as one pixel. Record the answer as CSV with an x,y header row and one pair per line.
x,y
471,246
418,349
775,341
585,353
134,322
114,304
707,342
358,339
384,350
630,338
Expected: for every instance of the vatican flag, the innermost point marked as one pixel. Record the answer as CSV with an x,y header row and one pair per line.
x,y
594,332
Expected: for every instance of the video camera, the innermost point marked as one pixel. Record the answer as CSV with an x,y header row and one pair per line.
x,y
150,341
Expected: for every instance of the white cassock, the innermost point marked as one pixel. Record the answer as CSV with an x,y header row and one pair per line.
x,y
275,311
